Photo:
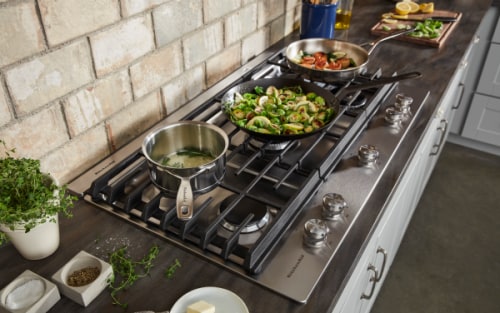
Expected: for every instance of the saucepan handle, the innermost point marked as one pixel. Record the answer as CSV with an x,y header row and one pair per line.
x,y
184,202
185,198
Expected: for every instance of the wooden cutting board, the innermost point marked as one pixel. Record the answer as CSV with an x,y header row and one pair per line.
x,y
436,42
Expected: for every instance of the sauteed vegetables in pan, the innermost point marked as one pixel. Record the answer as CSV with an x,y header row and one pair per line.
x,y
284,111
319,60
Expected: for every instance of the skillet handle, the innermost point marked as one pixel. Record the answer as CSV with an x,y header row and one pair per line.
x,y
375,43
379,82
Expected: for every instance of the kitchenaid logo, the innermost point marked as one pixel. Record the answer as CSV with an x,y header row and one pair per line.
x,y
294,268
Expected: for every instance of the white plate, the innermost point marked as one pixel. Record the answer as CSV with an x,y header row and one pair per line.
x,y
224,300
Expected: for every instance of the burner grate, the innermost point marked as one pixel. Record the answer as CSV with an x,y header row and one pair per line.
x,y
283,179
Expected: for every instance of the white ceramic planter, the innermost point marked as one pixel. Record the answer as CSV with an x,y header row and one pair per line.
x,y
40,242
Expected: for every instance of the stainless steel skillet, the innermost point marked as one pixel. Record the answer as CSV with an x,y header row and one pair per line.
x,y
358,53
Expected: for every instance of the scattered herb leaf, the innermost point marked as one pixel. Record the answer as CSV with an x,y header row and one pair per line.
x,y
170,271
126,271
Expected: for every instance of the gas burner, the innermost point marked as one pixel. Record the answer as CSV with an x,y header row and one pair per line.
x,y
357,103
272,146
243,209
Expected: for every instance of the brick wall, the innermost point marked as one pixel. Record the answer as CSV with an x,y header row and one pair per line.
x,y
79,79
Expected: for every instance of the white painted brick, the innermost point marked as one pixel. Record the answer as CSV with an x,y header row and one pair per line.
x,y
241,23
292,20
134,120
156,69
37,134
20,32
214,9
91,105
222,64
194,82
277,30
5,115
179,91
73,158
176,18
254,45
293,4
268,10
43,79
202,45
122,44
131,7
68,19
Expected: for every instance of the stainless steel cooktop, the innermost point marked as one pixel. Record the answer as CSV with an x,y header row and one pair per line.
x,y
293,202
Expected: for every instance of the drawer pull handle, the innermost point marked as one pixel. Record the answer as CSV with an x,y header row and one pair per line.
x,y
442,129
384,253
459,101
373,279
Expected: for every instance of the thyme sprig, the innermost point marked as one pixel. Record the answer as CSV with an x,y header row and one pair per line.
x,y
127,271
170,271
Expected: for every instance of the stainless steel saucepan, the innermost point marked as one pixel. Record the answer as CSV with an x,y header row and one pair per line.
x,y
183,178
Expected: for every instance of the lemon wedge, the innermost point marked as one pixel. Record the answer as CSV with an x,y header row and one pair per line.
x,y
403,8
427,7
390,21
400,17
387,15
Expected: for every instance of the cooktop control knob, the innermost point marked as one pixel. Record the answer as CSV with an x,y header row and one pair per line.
x,y
367,155
394,116
333,205
315,231
403,103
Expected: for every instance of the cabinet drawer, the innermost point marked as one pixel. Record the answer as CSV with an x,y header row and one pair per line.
x,y
489,82
483,120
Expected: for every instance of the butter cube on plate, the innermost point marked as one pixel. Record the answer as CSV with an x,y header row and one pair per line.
x,y
201,307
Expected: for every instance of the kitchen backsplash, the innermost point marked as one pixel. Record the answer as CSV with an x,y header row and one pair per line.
x,y
79,79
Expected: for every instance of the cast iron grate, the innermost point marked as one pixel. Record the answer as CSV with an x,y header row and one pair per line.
x,y
283,180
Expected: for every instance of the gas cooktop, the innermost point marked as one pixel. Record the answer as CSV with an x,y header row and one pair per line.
x,y
282,209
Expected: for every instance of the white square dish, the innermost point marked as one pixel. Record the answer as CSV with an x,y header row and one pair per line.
x,y
28,293
84,294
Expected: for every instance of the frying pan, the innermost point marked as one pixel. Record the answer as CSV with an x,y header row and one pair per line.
x,y
331,100
359,54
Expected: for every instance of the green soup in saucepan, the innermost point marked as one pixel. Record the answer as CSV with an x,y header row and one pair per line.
x,y
187,158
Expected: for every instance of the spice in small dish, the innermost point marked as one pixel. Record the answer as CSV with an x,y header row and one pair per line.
x,y
83,276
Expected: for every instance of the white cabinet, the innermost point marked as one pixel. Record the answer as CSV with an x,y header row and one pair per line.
x,y
483,119
479,116
370,271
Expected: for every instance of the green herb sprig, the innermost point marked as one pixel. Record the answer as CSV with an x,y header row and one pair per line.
x,y
170,271
127,271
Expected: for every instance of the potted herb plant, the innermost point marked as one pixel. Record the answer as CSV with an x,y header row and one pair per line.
x,y
30,203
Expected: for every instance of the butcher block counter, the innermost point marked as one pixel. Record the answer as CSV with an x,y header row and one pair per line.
x,y
99,233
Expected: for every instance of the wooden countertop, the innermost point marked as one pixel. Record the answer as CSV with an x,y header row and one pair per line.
x,y
99,233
